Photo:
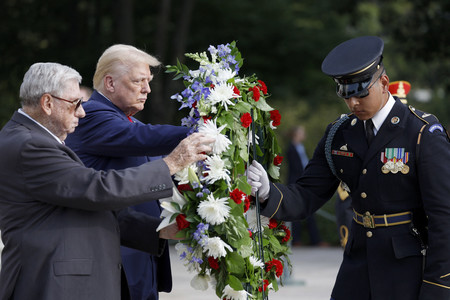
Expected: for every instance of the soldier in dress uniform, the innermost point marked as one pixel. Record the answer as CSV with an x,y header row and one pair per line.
x,y
344,211
393,160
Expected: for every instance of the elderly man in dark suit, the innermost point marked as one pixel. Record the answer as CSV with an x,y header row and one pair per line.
x,y
109,137
394,161
57,217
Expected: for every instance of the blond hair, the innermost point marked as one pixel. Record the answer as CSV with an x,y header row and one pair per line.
x,y
118,59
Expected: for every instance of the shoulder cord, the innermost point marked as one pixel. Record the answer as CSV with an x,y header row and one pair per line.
x,y
329,140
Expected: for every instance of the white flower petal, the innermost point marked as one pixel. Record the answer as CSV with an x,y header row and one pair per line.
x,y
222,143
214,211
200,282
215,247
252,222
216,170
231,294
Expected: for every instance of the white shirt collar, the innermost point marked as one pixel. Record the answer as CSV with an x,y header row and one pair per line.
x,y
26,115
382,114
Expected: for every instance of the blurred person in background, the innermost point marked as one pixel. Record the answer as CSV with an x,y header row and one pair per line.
x,y
297,160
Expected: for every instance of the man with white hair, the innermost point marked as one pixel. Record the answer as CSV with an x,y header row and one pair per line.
x,y
57,217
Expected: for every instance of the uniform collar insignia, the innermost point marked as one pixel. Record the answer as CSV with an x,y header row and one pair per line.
x,y
395,120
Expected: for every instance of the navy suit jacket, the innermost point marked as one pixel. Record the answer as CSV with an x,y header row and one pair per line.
x,y
105,139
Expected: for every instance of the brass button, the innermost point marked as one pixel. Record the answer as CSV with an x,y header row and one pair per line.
x,y
369,234
363,195
342,171
364,171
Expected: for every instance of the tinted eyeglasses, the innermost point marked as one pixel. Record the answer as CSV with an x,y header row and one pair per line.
x,y
357,89
77,102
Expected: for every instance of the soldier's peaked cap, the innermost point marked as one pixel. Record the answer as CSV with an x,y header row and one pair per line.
x,y
355,59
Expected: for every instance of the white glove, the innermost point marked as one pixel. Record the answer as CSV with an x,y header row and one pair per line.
x,y
258,179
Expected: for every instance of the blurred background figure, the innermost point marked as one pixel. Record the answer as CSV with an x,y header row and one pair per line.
x,y
400,89
297,160
86,92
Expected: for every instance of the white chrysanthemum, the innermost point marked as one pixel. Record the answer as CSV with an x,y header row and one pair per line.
x,y
231,294
183,176
215,247
224,75
214,210
222,93
216,170
252,222
200,282
221,143
256,263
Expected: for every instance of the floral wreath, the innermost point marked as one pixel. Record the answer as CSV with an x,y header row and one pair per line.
x,y
215,214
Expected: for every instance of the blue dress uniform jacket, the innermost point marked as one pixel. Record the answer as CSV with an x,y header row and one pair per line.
x,y
105,139
385,262
56,216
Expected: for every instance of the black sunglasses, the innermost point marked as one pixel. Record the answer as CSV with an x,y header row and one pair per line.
x,y
77,102
357,89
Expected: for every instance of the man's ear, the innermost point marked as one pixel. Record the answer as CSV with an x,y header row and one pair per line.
x,y
108,83
385,83
47,104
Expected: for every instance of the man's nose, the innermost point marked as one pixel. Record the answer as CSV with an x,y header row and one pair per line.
x,y
79,112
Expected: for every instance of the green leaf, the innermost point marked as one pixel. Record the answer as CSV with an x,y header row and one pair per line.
x,y
243,185
274,171
262,105
235,263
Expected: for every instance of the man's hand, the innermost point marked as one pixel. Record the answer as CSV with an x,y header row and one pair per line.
x,y
169,232
258,179
188,151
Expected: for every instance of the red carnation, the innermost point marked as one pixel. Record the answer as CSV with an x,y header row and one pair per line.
x,y
273,223
256,93
246,120
277,160
237,196
288,234
250,233
246,203
184,187
275,117
182,222
263,87
205,118
265,285
236,90
213,262
278,267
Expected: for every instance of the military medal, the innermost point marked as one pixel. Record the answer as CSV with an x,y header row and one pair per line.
x,y
395,160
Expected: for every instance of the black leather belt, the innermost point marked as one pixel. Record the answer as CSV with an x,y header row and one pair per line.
x,y
371,221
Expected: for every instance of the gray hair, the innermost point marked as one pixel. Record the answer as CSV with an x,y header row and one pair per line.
x,y
44,78
119,58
